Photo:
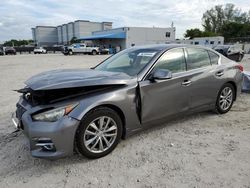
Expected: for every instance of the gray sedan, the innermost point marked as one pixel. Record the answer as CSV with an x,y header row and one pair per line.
x,y
91,110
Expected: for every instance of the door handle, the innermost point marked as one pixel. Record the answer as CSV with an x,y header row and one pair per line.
x,y
186,83
219,73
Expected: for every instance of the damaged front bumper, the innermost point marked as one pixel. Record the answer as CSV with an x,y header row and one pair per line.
x,y
49,140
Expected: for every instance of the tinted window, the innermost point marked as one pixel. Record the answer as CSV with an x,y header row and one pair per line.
x,y
172,60
213,58
197,58
167,34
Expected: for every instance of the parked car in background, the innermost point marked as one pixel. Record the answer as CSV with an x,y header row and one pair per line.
x,y
104,50
1,51
92,109
80,48
9,51
232,52
40,50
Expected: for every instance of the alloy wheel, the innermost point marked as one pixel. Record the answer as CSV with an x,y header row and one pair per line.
x,y
100,134
226,98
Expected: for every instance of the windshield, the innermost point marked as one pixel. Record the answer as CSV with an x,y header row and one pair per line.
x,y
130,61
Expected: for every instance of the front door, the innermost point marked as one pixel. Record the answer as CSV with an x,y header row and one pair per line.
x,y
165,98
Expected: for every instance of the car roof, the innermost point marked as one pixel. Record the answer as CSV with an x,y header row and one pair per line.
x,y
161,47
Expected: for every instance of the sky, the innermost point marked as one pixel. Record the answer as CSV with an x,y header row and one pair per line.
x,y
17,17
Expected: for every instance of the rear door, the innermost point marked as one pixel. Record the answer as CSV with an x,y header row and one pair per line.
x,y
205,76
165,98
83,48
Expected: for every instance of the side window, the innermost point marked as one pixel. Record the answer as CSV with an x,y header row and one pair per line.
x,y
197,58
214,58
172,60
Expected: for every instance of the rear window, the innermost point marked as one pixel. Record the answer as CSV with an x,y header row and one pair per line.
x,y
197,58
214,58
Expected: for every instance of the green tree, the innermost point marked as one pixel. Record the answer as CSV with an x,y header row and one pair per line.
x,y
73,40
14,42
235,30
224,20
192,33
214,19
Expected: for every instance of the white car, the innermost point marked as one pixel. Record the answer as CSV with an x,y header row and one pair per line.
x,y
80,48
40,50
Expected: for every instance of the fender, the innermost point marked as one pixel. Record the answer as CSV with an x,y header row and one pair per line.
x,y
124,99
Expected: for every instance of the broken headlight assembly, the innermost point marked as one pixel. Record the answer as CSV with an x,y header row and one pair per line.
x,y
54,114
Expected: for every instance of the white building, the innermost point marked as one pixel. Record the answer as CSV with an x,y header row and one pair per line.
x,y
62,34
101,33
126,37
85,28
44,35
59,34
203,41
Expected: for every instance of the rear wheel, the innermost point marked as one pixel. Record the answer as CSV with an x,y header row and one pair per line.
x,y
225,98
99,133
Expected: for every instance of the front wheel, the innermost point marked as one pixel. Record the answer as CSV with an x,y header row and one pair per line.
x,y
99,133
240,58
225,98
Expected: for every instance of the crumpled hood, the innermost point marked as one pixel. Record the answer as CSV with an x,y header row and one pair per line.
x,y
69,78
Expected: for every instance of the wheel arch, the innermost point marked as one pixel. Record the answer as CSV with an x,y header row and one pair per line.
x,y
121,114
116,109
235,88
94,51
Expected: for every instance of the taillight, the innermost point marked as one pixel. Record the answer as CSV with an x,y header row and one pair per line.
x,y
240,67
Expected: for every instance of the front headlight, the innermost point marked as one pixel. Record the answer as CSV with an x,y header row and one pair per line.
x,y
54,114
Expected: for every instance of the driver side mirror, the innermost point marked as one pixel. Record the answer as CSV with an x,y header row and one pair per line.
x,y
161,74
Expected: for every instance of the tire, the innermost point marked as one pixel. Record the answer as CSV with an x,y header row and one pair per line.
x,y
240,58
70,52
94,52
223,105
89,144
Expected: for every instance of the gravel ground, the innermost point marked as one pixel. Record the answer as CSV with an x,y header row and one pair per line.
x,y
203,150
